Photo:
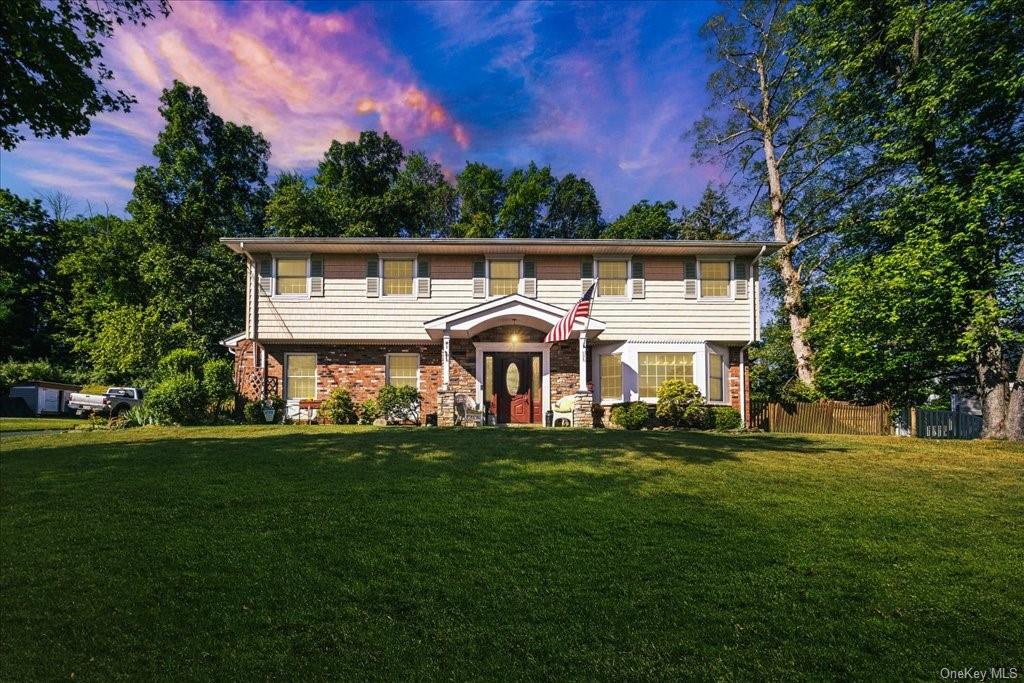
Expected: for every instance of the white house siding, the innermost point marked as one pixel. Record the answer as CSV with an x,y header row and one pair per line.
x,y
346,313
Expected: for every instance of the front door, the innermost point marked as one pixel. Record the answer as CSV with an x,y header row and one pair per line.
x,y
516,387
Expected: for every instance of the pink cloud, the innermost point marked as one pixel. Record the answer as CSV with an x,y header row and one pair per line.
x,y
300,78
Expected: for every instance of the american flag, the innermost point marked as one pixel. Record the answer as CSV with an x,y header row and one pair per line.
x,y
562,329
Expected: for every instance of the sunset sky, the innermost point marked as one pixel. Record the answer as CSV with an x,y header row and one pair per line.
x,y
602,90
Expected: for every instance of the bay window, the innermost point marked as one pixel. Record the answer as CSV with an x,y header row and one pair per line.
x,y
655,368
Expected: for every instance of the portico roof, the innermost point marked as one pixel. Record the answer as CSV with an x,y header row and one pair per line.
x,y
507,310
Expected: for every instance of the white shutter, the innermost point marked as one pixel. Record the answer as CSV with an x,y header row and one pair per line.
x,y
690,278
266,266
422,279
479,280
586,275
372,278
638,290
316,276
741,275
530,279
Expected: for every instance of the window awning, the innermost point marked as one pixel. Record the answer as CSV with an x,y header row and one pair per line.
x,y
507,310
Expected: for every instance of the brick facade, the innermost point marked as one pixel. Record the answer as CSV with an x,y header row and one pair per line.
x,y
361,368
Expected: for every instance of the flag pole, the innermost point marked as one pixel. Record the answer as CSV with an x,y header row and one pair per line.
x,y
583,339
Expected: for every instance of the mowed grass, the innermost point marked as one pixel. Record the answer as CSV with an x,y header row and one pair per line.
x,y
33,424
318,552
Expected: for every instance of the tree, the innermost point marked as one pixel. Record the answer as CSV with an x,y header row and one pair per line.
x,y
100,265
527,193
424,198
481,192
574,211
130,342
644,221
767,123
294,209
209,182
933,92
50,57
29,245
714,218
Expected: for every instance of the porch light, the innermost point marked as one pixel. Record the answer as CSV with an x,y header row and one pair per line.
x,y
513,338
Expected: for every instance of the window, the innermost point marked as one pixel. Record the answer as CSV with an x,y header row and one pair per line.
x,y
716,377
291,276
714,278
504,278
611,377
300,376
403,370
611,278
398,277
655,368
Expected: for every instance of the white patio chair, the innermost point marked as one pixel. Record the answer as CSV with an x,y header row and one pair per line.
x,y
563,410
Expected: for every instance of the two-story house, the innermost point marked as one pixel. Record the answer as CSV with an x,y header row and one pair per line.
x,y
468,316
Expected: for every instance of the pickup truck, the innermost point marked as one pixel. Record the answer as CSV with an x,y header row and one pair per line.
x,y
115,401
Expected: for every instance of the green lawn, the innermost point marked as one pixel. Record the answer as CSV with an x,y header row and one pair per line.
x,y
34,424
316,552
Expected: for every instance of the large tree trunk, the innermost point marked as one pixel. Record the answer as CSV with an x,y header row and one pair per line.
x,y
799,321
993,390
1015,406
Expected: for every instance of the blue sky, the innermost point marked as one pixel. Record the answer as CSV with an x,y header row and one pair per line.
x,y
603,90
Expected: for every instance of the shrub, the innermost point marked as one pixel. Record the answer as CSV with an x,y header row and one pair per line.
x,y
218,382
178,399
369,410
724,418
680,404
180,362
138,416
253,412
338,408
398,404
631,416
799,392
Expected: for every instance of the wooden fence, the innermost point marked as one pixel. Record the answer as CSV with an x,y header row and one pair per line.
x,y
823,417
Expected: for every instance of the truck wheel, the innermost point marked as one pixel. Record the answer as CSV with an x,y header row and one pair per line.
x,y
119,411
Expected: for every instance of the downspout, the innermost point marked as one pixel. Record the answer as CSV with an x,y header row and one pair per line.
x,y
754,302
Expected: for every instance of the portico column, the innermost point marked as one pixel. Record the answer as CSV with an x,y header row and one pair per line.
x,y
583,362
446,357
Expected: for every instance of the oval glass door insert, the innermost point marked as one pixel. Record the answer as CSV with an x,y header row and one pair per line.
x,y
512,379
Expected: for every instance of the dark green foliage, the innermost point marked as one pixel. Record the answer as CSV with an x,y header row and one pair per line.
x,y
338,408
481,192
644,221
178,399
252,412
209,182
631,415
398,404
53,79
218,382
713,218
16,372
724,418
574,211
527,192
772,363
680,404
181,362
30,247
130,342
369,410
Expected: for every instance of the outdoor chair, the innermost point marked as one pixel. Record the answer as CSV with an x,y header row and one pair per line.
x,y
563,411
466,411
